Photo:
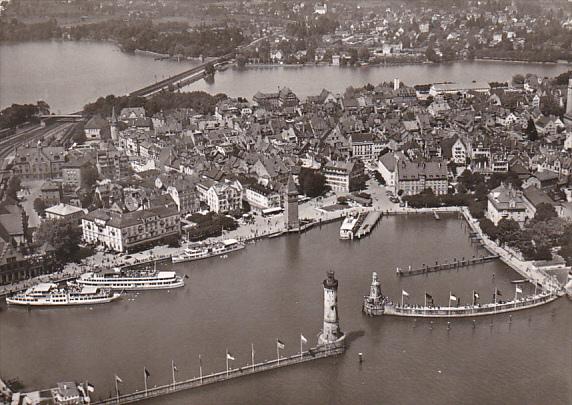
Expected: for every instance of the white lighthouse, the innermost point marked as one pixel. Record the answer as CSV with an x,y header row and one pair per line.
x,y
331,333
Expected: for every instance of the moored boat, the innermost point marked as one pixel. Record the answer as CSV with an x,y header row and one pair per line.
x,y
348,228
199,251
49,294
132,279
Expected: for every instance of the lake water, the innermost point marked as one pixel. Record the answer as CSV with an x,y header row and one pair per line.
x,y
70,74
273,290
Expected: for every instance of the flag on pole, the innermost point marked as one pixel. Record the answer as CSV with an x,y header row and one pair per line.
x,y
229,356
90,387
117,379
403,292
453,297
429,297
147,373
303,339
175,367
279,344
518,290
476,295
498,293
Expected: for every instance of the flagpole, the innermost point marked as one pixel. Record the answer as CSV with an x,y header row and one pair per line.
x,y
145,378
425,299
201,368
277,352
116,389
252,355
449,301
401,299
473,298
301,347
173,370
515,293
227,362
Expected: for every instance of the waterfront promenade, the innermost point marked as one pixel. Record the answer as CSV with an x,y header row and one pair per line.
x,y
527,269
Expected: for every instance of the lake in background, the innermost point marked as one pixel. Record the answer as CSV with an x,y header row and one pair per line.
x,y
70,74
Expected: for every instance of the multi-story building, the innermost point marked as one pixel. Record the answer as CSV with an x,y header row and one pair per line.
x,y
413,177
260,197
51,192
126,231
287,98
94,128
364,147
38,162
386,167
269,101
339,175
462,88
185,195
221,196
460,152
65,212
113,165
73,173
506,202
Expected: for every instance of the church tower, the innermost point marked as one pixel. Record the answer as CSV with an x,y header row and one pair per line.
x,y
568,115
113,129
331,333
291,205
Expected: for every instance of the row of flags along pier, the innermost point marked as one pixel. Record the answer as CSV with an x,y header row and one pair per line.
x,y
429,301
229,357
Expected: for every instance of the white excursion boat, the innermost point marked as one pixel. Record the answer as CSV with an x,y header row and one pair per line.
x,y
132,280
49,294
347,228
197,251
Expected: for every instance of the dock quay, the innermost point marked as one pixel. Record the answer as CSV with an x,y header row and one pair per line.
x,y
370,220
315,353
356,226
454,264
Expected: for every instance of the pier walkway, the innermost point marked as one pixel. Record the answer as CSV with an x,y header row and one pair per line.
x,y
367,225
455,264
419,311
196,382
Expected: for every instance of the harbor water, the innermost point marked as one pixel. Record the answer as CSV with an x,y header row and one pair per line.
x,y
273,290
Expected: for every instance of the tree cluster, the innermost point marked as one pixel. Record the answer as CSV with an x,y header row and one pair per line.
x,y
200,101
428,199
160,38
538,237
210,225
64,236
312,182
14,30
18,114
